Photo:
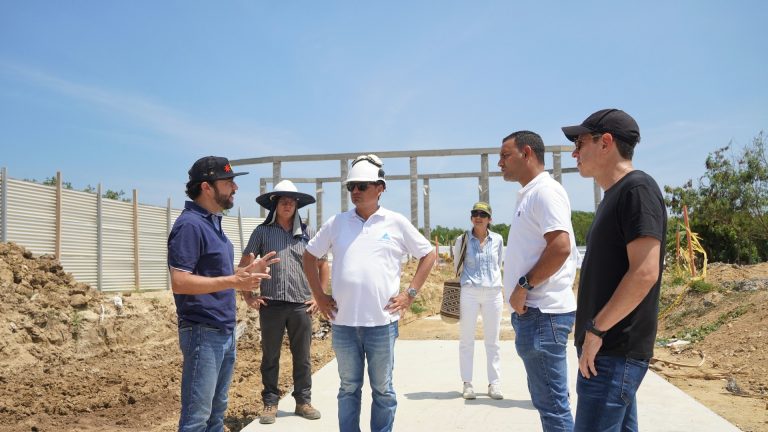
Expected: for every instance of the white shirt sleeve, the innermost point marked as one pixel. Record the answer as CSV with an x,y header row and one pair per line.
x,y
321,243
553,210
415,243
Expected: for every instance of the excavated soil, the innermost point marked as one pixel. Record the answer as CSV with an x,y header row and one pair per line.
x,y
75,359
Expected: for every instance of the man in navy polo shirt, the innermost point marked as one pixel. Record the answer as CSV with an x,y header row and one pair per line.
x,y
204,280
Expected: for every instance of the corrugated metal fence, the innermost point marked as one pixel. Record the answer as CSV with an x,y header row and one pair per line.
x,y
108,244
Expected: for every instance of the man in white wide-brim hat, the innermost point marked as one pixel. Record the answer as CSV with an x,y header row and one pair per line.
x,y
285,301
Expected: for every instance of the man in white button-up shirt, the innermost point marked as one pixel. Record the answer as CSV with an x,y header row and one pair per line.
x,y
539,269
368,244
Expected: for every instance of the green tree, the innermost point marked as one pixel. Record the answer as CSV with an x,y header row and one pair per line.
x,y
115,195
51,181
728,206
581,221
446,236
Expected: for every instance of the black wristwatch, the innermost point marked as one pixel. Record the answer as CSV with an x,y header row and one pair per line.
x,y
592,329
523,282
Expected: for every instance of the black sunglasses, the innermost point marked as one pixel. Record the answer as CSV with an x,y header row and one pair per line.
x,y
361,186
480,213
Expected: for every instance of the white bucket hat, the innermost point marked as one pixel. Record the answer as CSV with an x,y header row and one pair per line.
x,y
366,168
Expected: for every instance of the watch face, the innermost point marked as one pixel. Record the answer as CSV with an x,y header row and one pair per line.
x,y
522,281
412,292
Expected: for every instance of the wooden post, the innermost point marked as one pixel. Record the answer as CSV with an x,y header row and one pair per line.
x,y
4,209
136,266
414,192
690,247
167,234
437,252
99,240
240,229
57,241
427,222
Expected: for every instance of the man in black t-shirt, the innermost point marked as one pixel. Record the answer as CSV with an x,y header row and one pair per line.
x,y
618,299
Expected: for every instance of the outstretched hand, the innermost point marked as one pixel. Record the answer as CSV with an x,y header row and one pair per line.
x,y
247,277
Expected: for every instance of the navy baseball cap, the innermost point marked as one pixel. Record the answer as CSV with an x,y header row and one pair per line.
x,y
212,168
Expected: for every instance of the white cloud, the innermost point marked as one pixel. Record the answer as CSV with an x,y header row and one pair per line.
x,y
157,117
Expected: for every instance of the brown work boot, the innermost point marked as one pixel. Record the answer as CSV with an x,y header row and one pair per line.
x,y
268,415
307,411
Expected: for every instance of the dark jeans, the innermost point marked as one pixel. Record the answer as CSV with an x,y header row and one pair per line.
x,y
274,319
607,401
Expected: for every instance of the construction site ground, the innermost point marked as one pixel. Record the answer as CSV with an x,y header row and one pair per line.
x,y
75,359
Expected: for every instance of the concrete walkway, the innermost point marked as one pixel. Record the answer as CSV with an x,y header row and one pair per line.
x,y
428,390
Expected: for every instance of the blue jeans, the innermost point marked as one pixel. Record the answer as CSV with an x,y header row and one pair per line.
x,y
352,346
541,340
209,359
607,401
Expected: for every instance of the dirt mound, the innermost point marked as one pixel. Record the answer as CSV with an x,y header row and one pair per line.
x,y
725,365
75,359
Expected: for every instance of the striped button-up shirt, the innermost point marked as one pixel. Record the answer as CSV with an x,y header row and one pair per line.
x,y
288,282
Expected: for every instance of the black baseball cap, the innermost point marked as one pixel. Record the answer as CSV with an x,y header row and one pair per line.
x,y
613,121
212,168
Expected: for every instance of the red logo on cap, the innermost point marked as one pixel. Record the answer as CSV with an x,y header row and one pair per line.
x,y
227,168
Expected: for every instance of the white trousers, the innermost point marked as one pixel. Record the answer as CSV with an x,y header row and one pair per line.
x,y
488,302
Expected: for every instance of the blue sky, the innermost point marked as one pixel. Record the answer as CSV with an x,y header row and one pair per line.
x,y
129,94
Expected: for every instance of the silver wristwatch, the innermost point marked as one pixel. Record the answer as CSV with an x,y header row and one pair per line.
x,y
412,292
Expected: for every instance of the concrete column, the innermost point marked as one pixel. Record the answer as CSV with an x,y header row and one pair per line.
x,y
427,228
318,204
414,192
262,190
485,194
557,166
276,165
598,193
344,169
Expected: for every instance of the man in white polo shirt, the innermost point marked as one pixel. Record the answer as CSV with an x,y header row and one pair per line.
x,y
367,244
539,269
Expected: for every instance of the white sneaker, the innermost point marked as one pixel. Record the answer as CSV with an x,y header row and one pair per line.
x,y
469,392
494,391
